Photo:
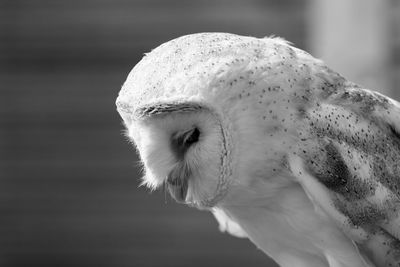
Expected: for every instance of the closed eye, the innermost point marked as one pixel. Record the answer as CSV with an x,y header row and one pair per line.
x,y
191,137
181,142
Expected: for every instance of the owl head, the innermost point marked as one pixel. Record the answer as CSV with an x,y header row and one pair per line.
x,y
206,113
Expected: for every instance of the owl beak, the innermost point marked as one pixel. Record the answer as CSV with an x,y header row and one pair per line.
x,y
177,182
178,188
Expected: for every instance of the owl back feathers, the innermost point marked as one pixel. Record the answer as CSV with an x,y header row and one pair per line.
x,y
350,167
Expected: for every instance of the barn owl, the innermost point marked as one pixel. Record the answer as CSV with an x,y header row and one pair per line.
x,y
280,148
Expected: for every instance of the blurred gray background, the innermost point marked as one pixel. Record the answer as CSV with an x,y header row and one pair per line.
x,y
69,192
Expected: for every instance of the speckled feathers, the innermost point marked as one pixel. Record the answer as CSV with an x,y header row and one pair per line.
x,y
274,121
214,65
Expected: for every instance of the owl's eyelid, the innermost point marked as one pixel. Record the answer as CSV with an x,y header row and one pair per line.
x,y
189,134
181,138
182,141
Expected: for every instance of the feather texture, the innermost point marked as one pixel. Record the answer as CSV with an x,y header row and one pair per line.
x,y
287,152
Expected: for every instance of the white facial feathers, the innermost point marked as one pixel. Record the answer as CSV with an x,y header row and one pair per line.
x,y
183,144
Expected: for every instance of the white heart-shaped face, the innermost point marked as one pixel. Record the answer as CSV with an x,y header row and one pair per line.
x,y
185,150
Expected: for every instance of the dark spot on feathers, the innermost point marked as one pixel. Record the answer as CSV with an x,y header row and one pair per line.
x,y
368,100
389,178
335,174
361,213
331,169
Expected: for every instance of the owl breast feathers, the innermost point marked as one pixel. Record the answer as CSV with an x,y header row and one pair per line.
x,y
283,150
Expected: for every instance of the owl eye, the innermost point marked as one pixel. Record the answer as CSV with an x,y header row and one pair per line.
x,y
182,141
191,137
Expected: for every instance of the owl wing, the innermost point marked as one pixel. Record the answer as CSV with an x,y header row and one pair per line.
x,y
349,165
